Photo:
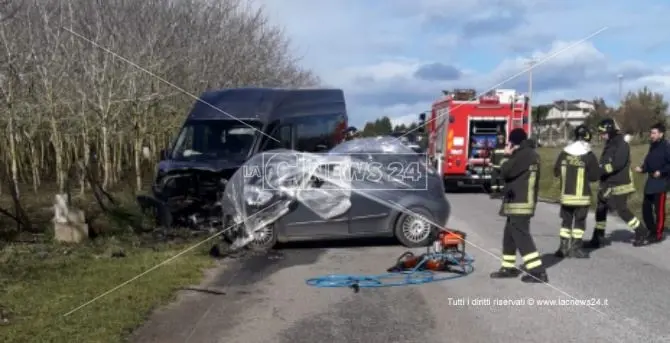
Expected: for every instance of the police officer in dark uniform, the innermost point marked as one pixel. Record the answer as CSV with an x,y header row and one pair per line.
x,y
616,184
497,159
521,174
657,165
576,166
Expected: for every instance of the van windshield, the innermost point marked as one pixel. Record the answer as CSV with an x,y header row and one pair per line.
x,y
215,139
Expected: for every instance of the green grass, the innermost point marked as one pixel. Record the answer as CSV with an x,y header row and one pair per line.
x,y
39,283
550,186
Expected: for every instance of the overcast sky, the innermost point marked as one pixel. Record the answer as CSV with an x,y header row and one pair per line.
x,y
393,57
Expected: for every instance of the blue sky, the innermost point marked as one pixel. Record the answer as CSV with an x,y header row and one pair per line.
x,y
394,57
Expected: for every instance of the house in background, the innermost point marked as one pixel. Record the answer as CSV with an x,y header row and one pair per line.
x,y
574,112
552,130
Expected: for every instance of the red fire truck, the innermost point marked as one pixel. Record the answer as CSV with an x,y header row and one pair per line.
x,y
463,132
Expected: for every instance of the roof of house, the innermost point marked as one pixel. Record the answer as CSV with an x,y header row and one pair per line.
x,y
570,105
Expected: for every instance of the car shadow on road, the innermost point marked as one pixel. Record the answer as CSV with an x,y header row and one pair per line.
x,y
252,267
338,243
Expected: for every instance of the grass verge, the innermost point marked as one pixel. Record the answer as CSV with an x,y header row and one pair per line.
x,y
39,283
550,186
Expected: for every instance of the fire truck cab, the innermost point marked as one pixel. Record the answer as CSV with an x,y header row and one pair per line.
x,y
463,131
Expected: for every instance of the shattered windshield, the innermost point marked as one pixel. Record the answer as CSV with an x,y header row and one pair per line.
x,y
215,139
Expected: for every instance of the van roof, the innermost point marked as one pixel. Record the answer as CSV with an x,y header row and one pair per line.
x,y
267,104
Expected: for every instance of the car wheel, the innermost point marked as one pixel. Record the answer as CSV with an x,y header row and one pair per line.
x,y
264,239
415,230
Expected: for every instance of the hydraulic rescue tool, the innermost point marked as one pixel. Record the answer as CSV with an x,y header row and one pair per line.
x,y
445,259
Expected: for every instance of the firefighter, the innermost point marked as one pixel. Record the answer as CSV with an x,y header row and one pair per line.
x,y
616,184
497,159
350,133
521,174
576,166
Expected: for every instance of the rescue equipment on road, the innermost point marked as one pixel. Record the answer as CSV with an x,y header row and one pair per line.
x,y
445,259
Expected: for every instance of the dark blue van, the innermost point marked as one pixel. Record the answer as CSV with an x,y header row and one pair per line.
x,y
224,129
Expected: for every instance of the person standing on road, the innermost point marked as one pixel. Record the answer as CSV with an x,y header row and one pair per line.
x,y
616,185
521,174
497,159
657,165
576,167
350,133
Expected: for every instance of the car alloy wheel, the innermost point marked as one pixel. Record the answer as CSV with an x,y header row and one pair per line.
x,y
264,238
415,229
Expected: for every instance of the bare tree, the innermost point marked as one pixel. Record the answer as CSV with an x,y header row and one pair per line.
x,y
641,110
82,78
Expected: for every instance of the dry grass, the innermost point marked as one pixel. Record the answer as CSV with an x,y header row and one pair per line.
x,y
41,281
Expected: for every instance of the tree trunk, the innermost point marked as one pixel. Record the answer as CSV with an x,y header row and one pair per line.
x,y
58,154
34,166
106,163
13,155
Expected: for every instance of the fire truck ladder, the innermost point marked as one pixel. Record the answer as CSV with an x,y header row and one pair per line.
x,y
518,111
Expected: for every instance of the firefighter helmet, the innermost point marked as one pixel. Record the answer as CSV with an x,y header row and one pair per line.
x,y
608,126
582,133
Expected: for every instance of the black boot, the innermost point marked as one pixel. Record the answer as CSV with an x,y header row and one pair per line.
x,y
577,249
539,276
563,248
505,273
642,237
654,237
597,240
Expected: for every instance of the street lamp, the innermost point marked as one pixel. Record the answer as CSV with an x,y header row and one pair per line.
x,y
531,65
565,120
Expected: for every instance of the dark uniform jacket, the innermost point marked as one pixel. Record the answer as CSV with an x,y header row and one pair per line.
x,y
576,166
521,173
616,177
657,159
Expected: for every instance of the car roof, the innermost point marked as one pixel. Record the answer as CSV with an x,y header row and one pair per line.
x,y
267,104
373,145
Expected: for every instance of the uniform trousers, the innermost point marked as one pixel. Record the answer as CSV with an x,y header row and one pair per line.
x,y
653,212
516,236
619,204
573,221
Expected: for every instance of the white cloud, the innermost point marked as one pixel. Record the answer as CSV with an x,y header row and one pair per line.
x,y
373,48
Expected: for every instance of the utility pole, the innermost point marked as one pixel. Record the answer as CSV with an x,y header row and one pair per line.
x,y
565,120
531,65
621,102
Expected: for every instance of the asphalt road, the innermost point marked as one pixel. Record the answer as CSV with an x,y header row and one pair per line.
x,y
266,299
